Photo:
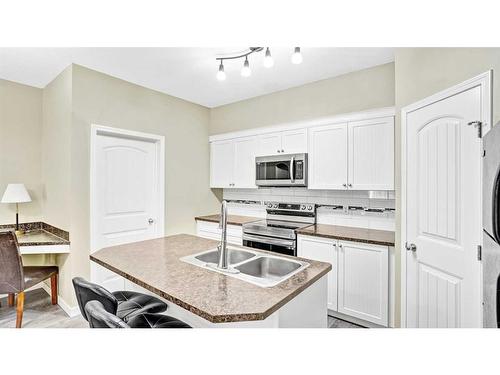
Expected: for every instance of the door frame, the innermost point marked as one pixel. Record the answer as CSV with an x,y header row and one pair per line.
x,y
158,140
484,81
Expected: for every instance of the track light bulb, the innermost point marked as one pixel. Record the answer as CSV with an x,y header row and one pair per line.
x,y
246,71
297,56
268,59
221,75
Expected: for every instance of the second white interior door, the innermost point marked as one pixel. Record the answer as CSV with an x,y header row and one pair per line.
x,y
444,213
127,190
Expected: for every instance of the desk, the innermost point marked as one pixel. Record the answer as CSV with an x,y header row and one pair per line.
x,y
40,238
39,241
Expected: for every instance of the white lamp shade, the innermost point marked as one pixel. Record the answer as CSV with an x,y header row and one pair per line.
x,y
16,193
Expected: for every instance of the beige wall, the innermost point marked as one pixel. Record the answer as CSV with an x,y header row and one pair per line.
x,y
421,72
56,149
101,99
352,92
20,147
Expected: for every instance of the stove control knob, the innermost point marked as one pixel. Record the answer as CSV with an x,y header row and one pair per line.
x,y
303,207
275,205
270,205
309,208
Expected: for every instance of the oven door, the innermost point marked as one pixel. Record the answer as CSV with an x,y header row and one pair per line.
x,y
281,170
277,245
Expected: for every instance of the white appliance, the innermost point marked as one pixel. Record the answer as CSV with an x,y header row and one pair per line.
x,y
491,228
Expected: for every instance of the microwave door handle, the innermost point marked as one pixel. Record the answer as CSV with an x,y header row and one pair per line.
x,y
292,172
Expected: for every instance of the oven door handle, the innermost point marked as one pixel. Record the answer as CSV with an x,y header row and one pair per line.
x,y
270,241
292,172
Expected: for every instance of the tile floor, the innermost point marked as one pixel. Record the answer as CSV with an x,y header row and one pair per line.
x,y
40,313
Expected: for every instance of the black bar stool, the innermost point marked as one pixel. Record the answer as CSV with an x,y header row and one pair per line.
x,y
123,304
98,317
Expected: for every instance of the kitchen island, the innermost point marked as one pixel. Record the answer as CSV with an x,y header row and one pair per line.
x,y
204,298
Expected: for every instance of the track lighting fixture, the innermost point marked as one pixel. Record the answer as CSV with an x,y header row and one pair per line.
x,y
245,70
268,59
221,75
297,56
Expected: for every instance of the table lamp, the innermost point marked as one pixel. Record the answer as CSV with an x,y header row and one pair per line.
x,y
16,193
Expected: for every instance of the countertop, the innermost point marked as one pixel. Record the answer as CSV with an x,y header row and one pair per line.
x,y
156,266
371,236
40,237
231,219
38,233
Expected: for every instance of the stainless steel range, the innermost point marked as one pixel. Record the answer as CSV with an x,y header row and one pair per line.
x,y
277,232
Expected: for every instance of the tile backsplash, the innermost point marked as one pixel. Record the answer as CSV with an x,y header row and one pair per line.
x,y
370,199
325,215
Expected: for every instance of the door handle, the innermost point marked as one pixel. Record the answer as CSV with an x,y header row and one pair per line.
x,y
292,172
150,221
411,247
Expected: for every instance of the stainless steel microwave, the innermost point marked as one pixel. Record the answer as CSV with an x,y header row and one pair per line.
x,y
281,170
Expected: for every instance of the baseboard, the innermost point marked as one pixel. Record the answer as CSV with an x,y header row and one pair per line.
x,y
70,311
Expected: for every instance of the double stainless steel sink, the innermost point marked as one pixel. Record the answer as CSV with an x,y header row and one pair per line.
x,y
257,268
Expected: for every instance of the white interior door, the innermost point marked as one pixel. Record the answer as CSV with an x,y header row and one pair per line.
x,y
127,196
328,157
443,216
371,154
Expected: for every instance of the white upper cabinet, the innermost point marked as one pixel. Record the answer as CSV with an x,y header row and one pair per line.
x,y
286,142
221,163
371,154
353,151
269,144
328,157
244,162
294,141
358,155
232,163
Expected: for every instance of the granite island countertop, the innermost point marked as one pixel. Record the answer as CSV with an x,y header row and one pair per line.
x,y
355,234
231,219
156,265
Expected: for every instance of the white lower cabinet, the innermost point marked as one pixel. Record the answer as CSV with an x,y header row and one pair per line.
x,y
358,284
210,230
363,281
323,250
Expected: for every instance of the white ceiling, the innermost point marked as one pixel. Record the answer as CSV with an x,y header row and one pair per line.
x,y
189,73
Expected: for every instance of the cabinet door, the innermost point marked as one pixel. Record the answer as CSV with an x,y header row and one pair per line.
x,y
244,162
322,250
371,154
269,144
294,141
221,164
363,281
328,157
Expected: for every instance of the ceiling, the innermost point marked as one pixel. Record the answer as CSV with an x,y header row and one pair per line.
x,y
189,73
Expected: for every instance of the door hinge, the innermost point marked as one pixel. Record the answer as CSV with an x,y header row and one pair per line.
x,y
479,252
479,126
